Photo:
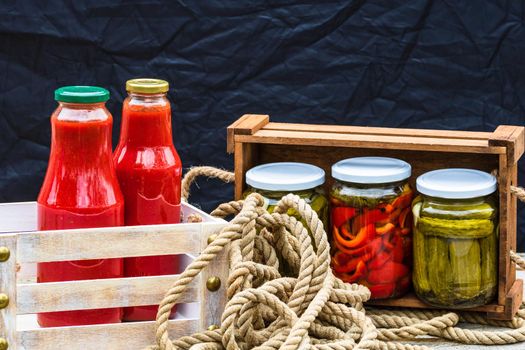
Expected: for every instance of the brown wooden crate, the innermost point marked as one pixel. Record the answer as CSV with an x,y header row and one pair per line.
x,y
255,140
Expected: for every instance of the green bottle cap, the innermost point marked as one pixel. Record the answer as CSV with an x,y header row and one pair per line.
x,y
81,94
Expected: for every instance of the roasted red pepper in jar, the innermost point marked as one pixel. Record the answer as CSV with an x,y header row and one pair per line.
x,y
371,224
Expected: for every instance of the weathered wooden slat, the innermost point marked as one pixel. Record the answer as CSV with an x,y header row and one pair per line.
x,y
123,336
26,273
505,280
109,242
22,216
370,141
368,130
98,294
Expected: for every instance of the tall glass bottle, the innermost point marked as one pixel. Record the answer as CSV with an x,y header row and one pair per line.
x,y
149,171
80,190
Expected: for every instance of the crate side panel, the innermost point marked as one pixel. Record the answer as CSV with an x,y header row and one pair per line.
x,y
8,287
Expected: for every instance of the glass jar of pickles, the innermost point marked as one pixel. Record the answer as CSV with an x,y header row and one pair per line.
x,y
455,238
275,180
372,224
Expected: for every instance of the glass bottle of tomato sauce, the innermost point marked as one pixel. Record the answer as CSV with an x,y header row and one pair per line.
x,y
149,171
80,190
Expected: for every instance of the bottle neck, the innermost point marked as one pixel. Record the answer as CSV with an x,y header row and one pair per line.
x,y
146,121
81,135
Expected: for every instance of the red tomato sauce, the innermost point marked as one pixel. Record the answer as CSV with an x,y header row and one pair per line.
x,y
80,191
149,171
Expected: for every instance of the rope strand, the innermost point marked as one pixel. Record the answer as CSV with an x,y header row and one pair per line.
x,y
209,172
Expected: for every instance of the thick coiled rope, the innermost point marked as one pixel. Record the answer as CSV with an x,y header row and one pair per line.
x,y
308,308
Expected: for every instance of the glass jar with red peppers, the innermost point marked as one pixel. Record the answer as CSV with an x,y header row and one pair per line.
x,y
372,224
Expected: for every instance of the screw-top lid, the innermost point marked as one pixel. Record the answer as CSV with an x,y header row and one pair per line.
x,y
285,176
371,170
81,94
456,183
147,86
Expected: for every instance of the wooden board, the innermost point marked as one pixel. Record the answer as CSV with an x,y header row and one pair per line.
x,y
367,130
108,242
22,217
122,336
260,141
98,294
370,141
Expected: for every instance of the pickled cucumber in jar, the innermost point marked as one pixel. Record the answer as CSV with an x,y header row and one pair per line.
x,y
455,238
275,180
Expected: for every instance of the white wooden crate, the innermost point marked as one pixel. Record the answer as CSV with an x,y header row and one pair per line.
x,y
28,246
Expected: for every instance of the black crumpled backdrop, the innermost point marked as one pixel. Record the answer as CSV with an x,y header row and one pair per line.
x,y
424,64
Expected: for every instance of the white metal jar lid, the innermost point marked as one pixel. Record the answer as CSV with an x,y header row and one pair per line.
x,y
285,176
456,183
371,170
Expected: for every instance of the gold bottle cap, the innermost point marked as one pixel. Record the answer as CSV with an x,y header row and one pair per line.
x,y
147,86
